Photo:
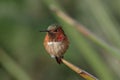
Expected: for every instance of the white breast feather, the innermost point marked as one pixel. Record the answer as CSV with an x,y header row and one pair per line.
x,y
55,47
53,43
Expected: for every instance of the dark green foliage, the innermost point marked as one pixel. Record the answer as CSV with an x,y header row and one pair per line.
x,y
23,57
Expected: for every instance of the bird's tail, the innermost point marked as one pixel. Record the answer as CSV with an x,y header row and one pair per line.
x,y
58,59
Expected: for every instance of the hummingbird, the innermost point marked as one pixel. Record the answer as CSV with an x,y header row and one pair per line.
x,y
56,42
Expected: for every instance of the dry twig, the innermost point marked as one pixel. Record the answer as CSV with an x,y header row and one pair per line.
x,y
79,71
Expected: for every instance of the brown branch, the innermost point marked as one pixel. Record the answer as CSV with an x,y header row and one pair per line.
x,y
79,71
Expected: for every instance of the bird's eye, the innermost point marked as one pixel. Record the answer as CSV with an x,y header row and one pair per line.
x,y
56,30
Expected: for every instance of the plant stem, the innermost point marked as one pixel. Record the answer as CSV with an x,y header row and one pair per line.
x,y
59,13
79,71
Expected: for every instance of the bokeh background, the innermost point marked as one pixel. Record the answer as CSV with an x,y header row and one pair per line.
x,y
23,57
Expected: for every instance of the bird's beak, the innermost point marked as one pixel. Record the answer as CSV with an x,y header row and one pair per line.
x,y
44,31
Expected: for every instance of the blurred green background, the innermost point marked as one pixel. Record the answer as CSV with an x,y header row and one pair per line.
x,y
23,57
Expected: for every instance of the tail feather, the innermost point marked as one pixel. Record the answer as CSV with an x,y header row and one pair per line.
x,y
58,59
